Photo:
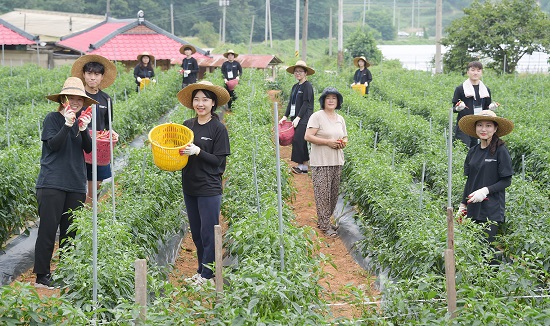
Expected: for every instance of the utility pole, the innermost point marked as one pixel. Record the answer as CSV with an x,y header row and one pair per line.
x,y
364,12
340,33
394,12
224,4
330,34
304,31
297,30
412,17
172,17
251,33
438,32
270,29
108,9
268,22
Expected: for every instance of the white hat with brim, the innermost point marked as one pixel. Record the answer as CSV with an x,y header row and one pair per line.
x,y
231,52
356,61
110,69
300,63
187,46
72,86
468,123
146,54
185,95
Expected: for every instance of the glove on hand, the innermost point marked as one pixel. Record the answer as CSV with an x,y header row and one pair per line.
x,y
191,149
138,79
459,106
478,196
283,119
295,122
493,106
187,72
153,81
84,121
70,117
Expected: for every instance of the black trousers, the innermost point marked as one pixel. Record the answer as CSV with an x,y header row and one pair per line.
x,y
53,209
300,152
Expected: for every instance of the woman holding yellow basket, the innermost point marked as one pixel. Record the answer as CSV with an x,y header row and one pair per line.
x,y
362,75
202,176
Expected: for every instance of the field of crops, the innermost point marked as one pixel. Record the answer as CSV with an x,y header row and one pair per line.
x,y
395,175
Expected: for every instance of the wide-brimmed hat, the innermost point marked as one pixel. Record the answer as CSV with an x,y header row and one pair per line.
x,y
147,54
184,96
72,86
468,123
331,90
185,46
300,63
356,61
230,52
110,69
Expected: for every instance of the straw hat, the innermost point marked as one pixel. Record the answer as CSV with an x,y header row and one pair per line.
x,y
468,123
183,47
230,52
110,69
184,96
356,61
151,57
300,63
72,86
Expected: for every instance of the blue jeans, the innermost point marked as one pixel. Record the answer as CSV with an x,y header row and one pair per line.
x,y
203,214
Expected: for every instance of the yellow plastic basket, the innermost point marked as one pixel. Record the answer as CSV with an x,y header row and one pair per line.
x,y
360,88
166,141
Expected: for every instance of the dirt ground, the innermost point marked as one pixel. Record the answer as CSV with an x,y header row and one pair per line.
x,y
345,271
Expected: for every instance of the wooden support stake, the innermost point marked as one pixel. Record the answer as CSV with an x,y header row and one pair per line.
x,y
451,285
219,259
450,229
141,286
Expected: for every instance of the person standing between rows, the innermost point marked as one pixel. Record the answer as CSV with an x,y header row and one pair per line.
x,y
189,65
488,168
298,110
61,182
97,73
202,176
232,72
471,97
362,75
144,69
327,133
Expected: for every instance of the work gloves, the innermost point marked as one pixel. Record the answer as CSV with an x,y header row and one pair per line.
x,y
478,196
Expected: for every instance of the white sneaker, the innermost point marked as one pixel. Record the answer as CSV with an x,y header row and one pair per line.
x,y
201,281
193,278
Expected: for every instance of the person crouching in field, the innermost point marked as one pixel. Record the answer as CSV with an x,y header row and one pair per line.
x,y
488,168
327,133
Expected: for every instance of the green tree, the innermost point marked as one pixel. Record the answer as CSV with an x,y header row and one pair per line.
x,y
206,33
382,22
501,31
363,43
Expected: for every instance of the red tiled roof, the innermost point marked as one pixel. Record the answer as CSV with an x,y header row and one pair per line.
x,y
246,60
10,37
126,47
123,40
81,41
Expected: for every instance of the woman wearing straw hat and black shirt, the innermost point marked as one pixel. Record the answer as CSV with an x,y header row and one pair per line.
x,y
97,73
144,68
231,69
189,65
327,133
488,167
362,75
61,183
299,109
202,176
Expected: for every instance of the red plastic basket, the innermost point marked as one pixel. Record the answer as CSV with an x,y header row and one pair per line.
x,y
103,151
286,133
231,84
